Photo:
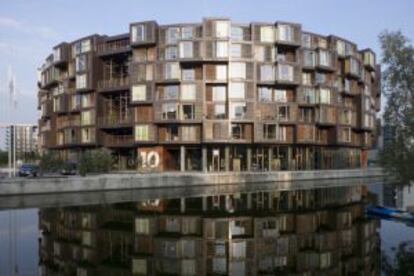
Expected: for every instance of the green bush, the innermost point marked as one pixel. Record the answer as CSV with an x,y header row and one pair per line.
x,y
95,161
50,162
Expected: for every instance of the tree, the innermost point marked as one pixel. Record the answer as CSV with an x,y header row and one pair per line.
x,y
398,88
95,161
4,158
50,162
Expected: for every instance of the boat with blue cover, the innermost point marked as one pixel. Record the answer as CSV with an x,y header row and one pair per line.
x,y
389,213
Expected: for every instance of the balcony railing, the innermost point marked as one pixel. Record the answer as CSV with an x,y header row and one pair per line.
x,y
118,140
114,84
113,47
115,121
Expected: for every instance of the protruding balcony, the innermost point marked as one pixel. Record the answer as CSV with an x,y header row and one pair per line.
x,y
115,47
113,141
143,33
115,84
112,121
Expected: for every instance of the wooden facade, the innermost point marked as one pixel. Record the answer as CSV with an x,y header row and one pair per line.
x,y
195,89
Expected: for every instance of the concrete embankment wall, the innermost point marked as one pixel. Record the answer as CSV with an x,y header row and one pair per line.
x,y
108,182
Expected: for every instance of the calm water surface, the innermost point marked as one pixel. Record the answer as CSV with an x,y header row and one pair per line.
x,y
242,232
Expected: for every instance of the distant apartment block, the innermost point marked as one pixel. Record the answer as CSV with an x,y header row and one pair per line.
x,y
26,140
212,96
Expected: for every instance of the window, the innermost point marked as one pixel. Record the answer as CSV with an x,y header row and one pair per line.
x,y
354,66
138,33
265,94
236,33
171,92
238,70
320,78
186,49
283,113
346,135
324,58
309,95
172,35
266,34
171,134
266,73
285,32
280,96
274,132
87,135
81,47
86,117
169,111
139,266
322,43
219,93
222,28
171,52
56,54
75,101
236,51
306,78
139,92
188,112
81,81
142,225
238,249
188,92
285,72
142,134
220,265
188,267
86,100
237,131
188,133
80,63
306,114
188,74
308,58
222,49
172,71
237,90
340,47
324,96
187,32
367,104
237,110
221,72
219,111
306,40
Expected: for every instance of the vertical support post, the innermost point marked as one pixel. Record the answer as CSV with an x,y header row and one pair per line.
x,y
249,158
10,150
14,150
182,205
270,157
204,203
290,167
227,158
204,158
249,201
182,158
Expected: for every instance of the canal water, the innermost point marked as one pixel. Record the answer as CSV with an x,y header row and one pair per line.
x,y
220,231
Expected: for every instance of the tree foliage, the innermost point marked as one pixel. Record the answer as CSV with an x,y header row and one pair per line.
x,y
4,158
95,161
398,88
50,162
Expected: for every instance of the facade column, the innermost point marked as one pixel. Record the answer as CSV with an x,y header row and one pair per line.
x,y
270,157
249,201
289,156
204,203
182,205
249,158
227,158
204,158
182,158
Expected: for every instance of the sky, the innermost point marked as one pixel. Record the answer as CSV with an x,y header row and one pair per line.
x,y
30,28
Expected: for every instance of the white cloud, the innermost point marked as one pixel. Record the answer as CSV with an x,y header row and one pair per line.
x,y
27,28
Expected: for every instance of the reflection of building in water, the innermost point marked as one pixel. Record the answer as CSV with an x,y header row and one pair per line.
x,y
309,232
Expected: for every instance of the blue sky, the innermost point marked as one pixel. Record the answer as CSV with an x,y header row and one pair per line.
x,y
29,28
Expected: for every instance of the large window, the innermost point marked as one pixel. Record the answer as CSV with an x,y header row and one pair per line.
x,y
188,74
169,111
87,135
81,81
222,49
238,70
324,96
219,93
309,95
221,72
82,47
324,58
187,112
219,111
284,113
340,47
222,28
280,95
236,33
142,134
86,100
265,94
172,70
306,40
274,132
187,32
285,72
266,72
172,35
354,66
186,49
138,33
237,110
307,78
189,133
267,34
286,32
87,117
171,92
139,92
236,50
81,63
171,52
308,58
188,92
237,90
